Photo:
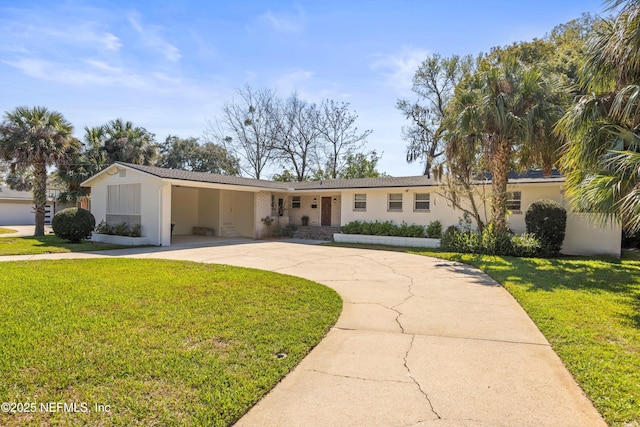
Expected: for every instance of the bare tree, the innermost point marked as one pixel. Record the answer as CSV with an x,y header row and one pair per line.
x,y
434,82
297,136
336,125
246,129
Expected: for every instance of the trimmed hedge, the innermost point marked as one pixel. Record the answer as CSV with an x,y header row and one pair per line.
x,y
388,228
547,220
73,224
122,229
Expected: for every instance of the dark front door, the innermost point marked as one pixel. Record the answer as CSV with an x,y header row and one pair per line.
x,y
326,211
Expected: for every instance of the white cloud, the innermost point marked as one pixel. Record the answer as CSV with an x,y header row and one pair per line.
x,y
94,73
150,37
400,67
293,82
111,42
285,23
39,33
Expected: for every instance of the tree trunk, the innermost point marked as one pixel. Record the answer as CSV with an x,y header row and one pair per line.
x,y
40,196
500,172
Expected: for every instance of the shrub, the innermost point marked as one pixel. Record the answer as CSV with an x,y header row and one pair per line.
x,y
386,228
122,229
285,231
354,227
452,240
526,245
547,220
73,224
434,230
490,243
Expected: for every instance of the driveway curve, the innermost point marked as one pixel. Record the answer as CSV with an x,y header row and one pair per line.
x,y
420,342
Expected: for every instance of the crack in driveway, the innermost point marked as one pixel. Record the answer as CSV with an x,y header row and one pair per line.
x,y
424,393
351,377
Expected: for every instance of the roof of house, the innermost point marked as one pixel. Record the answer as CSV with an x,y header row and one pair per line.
x,y
205,177
327,184
534,175
7,193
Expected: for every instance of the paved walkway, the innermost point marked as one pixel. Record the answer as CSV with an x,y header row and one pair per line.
x,y
420,342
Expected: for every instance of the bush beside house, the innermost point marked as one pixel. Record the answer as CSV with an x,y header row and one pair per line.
x,y
122,229
547,220
73,224
388,228
489,242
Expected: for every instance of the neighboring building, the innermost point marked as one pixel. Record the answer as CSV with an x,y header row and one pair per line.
x,y
233,206
16,208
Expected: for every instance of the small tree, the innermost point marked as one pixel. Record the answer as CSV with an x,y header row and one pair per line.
x,y
547,220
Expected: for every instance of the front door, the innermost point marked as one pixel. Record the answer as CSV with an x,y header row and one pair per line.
x,y
326,211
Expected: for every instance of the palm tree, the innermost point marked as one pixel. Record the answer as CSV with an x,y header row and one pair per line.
x,y
82,165
601,132
36,138
125,143
507,111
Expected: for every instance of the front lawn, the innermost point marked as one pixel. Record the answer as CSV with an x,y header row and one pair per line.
x,y
154,342
30,245
7,230
589,310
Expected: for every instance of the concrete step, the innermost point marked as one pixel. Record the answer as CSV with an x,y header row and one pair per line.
x,y
229,231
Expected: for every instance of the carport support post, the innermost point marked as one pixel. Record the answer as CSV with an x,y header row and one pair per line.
x,y
165,215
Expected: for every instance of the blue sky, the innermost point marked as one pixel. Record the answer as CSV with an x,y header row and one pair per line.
x,y
170,65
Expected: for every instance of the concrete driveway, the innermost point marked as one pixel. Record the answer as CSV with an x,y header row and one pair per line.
x,y
420,342
24,230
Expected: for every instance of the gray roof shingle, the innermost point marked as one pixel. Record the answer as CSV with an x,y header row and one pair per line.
x,y
205,177
327,184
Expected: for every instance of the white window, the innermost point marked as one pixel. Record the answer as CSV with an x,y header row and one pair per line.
x,y
124,199
514,201
360,202
421,202
295,202
394,202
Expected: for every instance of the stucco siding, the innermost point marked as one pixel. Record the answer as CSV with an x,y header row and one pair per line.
x,y
586,236
209,209
243,213
377,207
583,237
184,210
262,209
314,214
150,199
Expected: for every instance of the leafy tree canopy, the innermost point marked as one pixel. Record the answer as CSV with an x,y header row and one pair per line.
x,y
189,154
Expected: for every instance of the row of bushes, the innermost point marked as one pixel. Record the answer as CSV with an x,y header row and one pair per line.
x,y
491,243
545,220
388,228
122,229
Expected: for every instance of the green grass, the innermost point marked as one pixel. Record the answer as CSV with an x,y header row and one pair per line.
x,y
30,245
588,309
160,342
7,230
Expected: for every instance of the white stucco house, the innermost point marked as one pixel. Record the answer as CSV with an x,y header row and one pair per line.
x,y
233,206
